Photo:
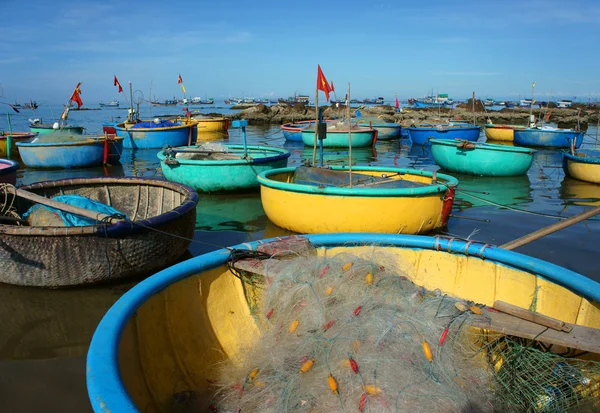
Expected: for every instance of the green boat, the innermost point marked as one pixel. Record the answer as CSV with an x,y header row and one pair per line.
x,y
338,136
481,159
43,128
218,167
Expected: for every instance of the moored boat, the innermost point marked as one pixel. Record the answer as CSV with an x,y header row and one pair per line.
x,y
112,104
154,135
583,165
220,168
211,123
482,159
155,347
158,228
338,136
42,128
548,137
504,133
315,200
59,150
293,131
8,171
386,131
15,137
422,133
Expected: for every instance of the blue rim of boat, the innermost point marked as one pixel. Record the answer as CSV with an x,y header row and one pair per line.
x,y
80,140
264,179
13,166
168,128
487,146
382,125
103,376
281,154
122,228
51,126
580,159
443,128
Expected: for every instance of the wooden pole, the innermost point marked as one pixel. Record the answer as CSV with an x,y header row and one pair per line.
x,y
349,137
314,159
9,141
98,216
597,126
551,229
473,107
540,319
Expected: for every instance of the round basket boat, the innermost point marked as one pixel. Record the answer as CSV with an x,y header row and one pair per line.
x,y
155,348
421,134
8,171
15,137
161,223
381,199
501,133
583,165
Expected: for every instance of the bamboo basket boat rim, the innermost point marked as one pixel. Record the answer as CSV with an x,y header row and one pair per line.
x,y
106,389
118,229
280,154
483,146
583,159
444,127
51,126
121,127
17,135
450,181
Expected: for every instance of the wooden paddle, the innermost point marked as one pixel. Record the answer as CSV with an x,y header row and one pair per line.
x,y
98,216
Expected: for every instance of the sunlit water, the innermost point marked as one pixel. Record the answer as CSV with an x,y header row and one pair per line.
x,y
45,334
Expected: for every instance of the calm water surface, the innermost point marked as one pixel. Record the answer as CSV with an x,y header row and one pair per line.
x,y
44,335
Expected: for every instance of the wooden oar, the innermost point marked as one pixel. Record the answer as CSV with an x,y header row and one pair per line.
x,y
550,229
98,216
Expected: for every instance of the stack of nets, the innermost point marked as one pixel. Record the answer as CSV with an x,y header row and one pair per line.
x,y
349,334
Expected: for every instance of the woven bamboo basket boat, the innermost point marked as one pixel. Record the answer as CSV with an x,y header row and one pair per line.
x,y
162,218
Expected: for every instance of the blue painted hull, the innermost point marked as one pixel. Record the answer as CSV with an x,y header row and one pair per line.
x,y
294,136
293,131
483,160
421,135
225,175
548,138
418,104
148,138
68,155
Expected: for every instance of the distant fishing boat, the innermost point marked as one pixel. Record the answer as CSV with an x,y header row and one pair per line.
x,y
525,103
15,137
112,104
61,150
338,135
583,165
154,134
564,103
481,159
166,102
504,133
548,137
156,229
8,171
220,168
441,100
422,133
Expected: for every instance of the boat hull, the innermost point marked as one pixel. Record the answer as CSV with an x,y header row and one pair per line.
x,y
387,131
43,129
341,139
582,168
16,137
483,159
293,131
225,175
163,215
195,315
212,125
314,209
421,135
76,154
154,138
548,138
8,171
501,133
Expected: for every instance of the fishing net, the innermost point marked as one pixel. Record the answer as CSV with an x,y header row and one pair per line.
x,y
345,333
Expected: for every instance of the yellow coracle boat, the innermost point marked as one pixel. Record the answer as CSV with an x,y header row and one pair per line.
x,y
155,349
504,133
16,137
583,165
314,200
207,128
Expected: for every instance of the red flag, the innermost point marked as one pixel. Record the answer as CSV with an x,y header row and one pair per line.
x,y
332,89
397,103
118,84
75,97
179,80
322,83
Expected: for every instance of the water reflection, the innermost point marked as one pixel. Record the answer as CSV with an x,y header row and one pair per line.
x,y
477,191
363,156
237,212
575,192
28,176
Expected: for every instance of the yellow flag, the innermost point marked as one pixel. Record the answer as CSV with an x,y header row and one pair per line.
x,y
183,88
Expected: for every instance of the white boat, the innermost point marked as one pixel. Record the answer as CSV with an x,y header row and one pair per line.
x,y
112,104
525,103
564,103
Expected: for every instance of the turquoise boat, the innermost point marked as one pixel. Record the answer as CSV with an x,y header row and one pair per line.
x,y
548,137
387,131
421,134
583,165
210,170
43,128
481,159
154,135
293,131
338,136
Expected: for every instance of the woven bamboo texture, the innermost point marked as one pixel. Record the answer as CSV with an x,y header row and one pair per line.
x,y
56,257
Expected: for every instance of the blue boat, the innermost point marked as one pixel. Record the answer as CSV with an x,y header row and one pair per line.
x,y
154,135
209,170
70,151
481,159
548,137
450,131
293,131
8,171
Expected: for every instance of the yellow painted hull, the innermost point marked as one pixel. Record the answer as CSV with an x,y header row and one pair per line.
x,y
588,172
172,340
14,151
212,125
502,133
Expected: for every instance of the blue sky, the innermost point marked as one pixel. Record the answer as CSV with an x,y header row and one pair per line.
x,y
272,48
